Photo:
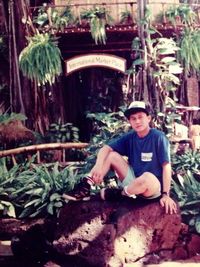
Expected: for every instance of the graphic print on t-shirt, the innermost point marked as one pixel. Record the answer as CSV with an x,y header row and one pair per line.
x,y
146,156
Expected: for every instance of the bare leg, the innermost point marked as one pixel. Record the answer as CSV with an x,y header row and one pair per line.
x,y
147,185
115,161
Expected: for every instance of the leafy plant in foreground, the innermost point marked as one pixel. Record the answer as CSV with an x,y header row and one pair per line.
x,y
189,161
186,190
186,187
6,209
37,190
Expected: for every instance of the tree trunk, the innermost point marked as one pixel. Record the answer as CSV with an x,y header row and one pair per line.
x,y
41,105
15,85
141,32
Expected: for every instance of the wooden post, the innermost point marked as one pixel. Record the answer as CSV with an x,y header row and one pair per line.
x,y
38,157
13,160
63,155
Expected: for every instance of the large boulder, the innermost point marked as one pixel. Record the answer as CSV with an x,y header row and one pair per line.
x,y
100,233
105,233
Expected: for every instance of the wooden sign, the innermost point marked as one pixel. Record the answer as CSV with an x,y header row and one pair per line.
x,y
95,60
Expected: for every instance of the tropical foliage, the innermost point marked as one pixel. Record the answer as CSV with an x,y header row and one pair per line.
x,y
105,127
190,51
53,20
156,56
59,132
5,118
188,38
33,190
126,17
186,187
181,14
98,17
41,59
30,190
189,161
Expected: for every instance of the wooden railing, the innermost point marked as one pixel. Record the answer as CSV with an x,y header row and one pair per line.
x,y
41,147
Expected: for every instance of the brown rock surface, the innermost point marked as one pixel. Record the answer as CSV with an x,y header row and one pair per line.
x,y
118,233
100,233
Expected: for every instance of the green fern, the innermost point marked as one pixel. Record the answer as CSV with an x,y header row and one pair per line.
x,y
40,61
190,50
98,17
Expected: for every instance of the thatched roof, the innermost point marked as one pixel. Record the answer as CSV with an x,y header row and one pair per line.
x,y
15,131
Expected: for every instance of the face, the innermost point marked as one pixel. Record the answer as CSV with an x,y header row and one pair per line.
x,y
140,122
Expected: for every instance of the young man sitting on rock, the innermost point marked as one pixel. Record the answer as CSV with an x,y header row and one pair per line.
x,y
148,170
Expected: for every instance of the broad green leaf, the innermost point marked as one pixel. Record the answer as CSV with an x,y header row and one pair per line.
x,y
58,204
166,51
35,191
197,224
33,202
26,212
139,61
11,211
175,69
168,59
50,208
55,196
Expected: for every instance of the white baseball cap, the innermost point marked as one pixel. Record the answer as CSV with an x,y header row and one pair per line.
x,y
136,106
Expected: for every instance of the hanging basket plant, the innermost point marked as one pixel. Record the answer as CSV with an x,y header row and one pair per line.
x,y
40,60
97,17
190,50
182,14
51,19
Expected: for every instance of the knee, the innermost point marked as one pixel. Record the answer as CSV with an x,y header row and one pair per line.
x,y
149,179
141,181
114,156
148,175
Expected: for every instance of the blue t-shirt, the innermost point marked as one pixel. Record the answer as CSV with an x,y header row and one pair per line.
x,y
146,154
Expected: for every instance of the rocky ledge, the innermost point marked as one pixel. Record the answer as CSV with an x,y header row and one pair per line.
x,y
100,233
118,233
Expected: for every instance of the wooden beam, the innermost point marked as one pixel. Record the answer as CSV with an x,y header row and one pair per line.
x,y
39,147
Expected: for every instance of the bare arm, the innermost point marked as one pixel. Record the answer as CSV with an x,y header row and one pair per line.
x,y
166,201
98,171
167,174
